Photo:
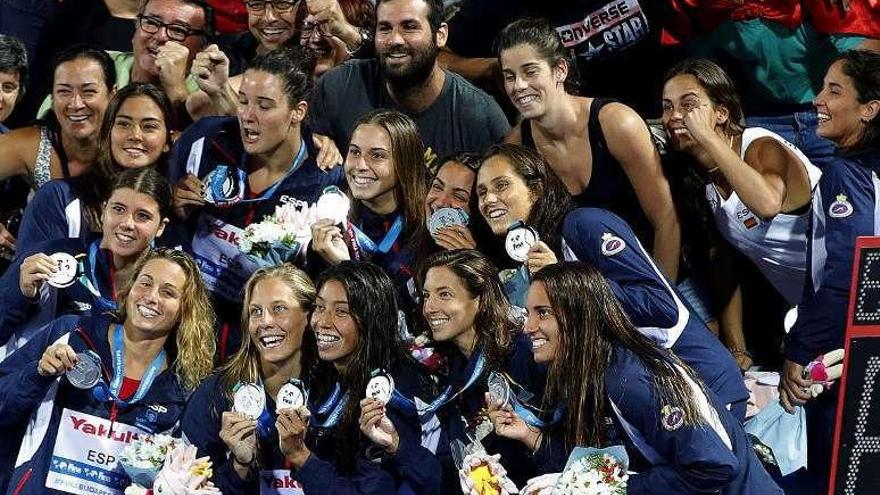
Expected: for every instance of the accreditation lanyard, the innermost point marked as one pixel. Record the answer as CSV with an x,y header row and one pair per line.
x,y
362,242
104,393
332,408
90,281
220,175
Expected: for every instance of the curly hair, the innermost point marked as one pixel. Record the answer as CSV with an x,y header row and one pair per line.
x,y
193,351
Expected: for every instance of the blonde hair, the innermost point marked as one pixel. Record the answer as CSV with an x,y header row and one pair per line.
x,y
194,337
244,366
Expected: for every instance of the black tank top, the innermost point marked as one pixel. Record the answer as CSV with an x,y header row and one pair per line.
x,y
609,186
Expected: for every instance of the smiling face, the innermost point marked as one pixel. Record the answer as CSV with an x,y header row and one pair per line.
x,y
131,220
449,308
529,81
271,28
681,94
264,114
327,53
80,97
276,321
138,136
146,45
503,195
369,165
405,46
153,304
10,86
541,325
450,188
838,108
335,329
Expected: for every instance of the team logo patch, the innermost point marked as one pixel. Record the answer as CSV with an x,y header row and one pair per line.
x,y
840,208
672,417
611,244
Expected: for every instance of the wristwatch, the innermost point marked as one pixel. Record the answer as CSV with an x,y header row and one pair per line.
x,y
366,38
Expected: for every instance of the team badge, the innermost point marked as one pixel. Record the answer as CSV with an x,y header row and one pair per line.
x,y
840,208
611,244
672,417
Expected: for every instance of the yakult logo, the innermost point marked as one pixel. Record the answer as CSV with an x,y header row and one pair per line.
x,y
277,482
100,430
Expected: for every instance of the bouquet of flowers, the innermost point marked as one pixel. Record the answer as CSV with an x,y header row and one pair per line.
x,y
279,238
181,474
143,459
592,471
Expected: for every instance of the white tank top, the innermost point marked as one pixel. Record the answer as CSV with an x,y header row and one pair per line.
x,y
779,246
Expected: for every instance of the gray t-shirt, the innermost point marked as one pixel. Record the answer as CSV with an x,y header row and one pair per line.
x,y
463,118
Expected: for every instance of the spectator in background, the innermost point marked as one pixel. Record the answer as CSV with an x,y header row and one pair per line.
x,y
169,34
451,114
605,40
101,24
14,190
601,149
274,25
13,76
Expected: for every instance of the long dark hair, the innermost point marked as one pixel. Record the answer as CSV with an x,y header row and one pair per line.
x,y
372,303
718,86
553,200
591,324
95,186
292,64
542,36
863,67
494,328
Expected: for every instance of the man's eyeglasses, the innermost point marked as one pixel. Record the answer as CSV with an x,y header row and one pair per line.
x,y
176,32
279,6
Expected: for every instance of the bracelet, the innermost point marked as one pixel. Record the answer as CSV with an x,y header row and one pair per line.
x,y
537,443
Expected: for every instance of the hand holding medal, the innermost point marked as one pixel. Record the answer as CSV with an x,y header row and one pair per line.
x,y
293,425
57,360
59,270
374,423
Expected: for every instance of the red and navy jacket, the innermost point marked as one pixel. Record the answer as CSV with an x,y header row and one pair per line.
x,y
32,405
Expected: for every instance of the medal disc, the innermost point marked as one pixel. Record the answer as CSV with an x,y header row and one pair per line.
x,y
66,271
499,388
333,205
520,238
381,387
248,399
85,373
445,217
291,396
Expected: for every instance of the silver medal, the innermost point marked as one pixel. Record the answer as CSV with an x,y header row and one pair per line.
x,y
85,373
66,270
333,205
291,396
248,399
499,388
380,387
444,217
520,238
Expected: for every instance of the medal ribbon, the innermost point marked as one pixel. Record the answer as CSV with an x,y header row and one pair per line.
x,y
335,403
361,241
476,365
218,177
104,393
90,282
